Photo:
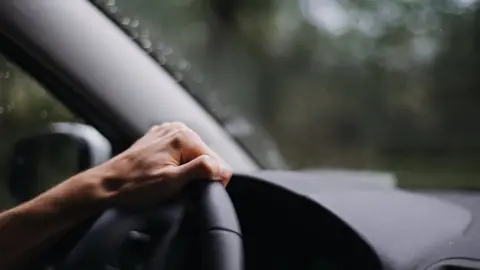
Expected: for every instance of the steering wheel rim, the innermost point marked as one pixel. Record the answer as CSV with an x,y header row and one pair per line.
x,y
221,236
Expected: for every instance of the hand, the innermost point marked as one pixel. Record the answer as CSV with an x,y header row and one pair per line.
x,y
160,164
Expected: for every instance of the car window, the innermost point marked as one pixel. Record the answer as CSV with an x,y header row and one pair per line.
x,y
338,84
25,108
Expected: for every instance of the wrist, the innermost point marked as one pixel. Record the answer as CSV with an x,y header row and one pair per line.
x,y
73,200
95,184
107,180
82,193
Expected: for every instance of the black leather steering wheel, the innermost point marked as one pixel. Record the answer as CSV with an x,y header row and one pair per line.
x,y
103,246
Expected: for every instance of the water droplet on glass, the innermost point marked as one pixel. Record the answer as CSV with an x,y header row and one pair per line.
x,y
126,21
178,76
134,34
239,126
184,64
159,57
43,114
7,75
112,9
135,23
110,2
145,43
167,50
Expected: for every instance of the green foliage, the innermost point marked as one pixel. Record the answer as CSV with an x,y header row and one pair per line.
x,y
378,85
354,84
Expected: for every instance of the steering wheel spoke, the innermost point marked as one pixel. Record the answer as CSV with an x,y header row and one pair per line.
x,y
126,239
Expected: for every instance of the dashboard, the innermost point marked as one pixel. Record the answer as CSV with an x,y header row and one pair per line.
x,y
309,221
283,230
306,221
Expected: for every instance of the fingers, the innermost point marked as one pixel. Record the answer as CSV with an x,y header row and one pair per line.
x,y
161,163
196,158
187,141
202,167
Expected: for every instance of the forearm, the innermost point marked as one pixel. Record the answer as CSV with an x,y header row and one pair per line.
x,y
28,228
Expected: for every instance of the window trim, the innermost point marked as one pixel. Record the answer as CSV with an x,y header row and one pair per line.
x,y
222,115
73,40
63,93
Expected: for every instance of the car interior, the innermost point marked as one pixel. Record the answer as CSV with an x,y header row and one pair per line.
x,y
265,219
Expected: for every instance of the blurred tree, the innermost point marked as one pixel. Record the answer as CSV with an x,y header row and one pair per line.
x,y
388,85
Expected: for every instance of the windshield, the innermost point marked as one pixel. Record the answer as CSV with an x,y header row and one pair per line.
x,y
345,84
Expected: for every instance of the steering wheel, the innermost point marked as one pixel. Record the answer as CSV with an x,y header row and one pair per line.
x,y
154,232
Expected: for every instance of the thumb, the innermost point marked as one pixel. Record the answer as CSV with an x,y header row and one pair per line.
x,y
204,167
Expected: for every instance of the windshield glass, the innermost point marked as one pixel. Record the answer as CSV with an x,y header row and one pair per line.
x,y
345,84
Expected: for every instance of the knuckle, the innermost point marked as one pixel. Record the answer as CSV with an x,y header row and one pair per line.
x,y
155,128
207,165
165,124
169,172
182,134
182,127
179,125
178,138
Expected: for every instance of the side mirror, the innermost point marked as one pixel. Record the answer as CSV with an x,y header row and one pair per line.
x,y
43,160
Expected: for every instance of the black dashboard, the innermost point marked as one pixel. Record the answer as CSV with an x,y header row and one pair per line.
x,y
283,230
310,221
303,221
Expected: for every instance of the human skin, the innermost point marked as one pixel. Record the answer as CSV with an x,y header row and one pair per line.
x,y
153,169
